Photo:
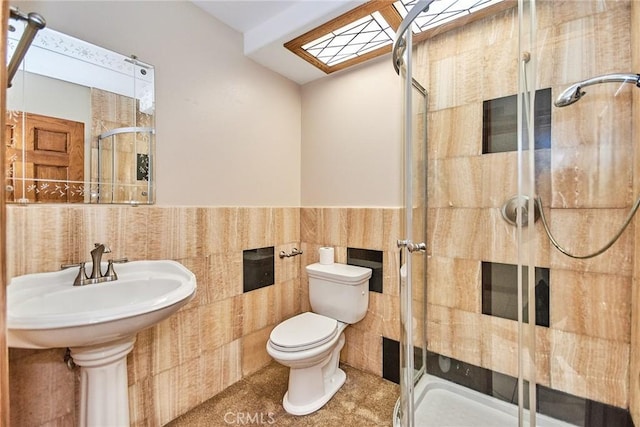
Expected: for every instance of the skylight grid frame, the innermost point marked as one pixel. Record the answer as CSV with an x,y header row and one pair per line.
x,y
326,47
352,40
441,11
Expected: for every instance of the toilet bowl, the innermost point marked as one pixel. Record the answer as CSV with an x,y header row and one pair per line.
x,y
310,343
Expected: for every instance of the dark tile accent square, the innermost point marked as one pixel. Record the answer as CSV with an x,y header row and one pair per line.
x,y
391,359
257,268
371,259
500,292
500,123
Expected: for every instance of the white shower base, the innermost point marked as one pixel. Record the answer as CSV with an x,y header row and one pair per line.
x,y
442,403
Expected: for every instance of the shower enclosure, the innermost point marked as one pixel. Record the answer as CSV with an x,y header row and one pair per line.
x,y
518,297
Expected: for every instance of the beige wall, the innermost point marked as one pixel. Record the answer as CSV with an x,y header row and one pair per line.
x,y
228,130
351,139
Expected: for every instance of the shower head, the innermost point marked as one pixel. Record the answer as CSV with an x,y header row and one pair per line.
x,y
574,92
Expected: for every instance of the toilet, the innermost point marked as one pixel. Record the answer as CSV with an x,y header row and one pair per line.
x,y
310,343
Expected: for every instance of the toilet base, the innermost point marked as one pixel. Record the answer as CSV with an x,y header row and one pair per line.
x,y
331,385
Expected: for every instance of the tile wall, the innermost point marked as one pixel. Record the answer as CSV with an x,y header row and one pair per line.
x,y
211,343
221,335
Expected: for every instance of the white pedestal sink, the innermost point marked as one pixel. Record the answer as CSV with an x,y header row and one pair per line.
x,y
98,322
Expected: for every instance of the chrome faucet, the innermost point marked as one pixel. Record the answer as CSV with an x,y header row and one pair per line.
x,y
96,272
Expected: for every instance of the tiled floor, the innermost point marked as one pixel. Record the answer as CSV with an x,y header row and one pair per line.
x,y
365,400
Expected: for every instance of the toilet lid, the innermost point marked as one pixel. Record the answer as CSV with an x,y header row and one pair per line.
x,y
304,331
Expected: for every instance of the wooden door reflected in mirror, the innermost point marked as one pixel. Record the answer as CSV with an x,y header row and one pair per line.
x,y
44,159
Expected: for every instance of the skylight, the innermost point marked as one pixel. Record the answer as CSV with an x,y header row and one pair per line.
x,y
441,11
352,40
369,30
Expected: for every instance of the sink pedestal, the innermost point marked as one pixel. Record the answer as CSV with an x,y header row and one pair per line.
x,y
104,397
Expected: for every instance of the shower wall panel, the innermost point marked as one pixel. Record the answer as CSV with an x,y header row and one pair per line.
x,y
584,179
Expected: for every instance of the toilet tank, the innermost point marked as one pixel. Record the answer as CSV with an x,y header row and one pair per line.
x,y
339,291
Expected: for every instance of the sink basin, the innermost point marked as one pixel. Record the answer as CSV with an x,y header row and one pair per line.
x,y
45,310
98,322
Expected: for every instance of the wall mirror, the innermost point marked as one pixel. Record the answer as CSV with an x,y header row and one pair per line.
x,y
80,123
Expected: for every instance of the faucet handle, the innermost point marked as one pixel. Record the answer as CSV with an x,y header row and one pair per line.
x,y
76,264
81,277
111,275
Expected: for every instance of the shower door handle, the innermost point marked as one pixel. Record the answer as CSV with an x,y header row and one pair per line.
x,y
412,247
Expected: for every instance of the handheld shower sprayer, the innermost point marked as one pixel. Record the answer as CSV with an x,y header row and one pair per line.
x,y
574,92
570,95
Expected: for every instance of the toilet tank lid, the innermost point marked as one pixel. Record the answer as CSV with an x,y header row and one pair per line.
x,y
339,272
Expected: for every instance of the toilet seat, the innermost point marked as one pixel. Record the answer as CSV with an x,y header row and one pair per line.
x,y
303,332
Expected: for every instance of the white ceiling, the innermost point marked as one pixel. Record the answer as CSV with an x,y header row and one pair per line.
x,y
266,25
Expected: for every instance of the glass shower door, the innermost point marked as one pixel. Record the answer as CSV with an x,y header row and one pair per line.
x,y
413,258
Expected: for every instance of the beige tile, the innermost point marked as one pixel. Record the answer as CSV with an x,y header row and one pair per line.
x,y
33,381
590,367
362,350
323,227
38,238
220,323
139,363
498,179
286,300
392,223
584,231
458,233
176,340
592,177
221,230
259,309
455,333
113,226
225,276
383,316
174,391
254,351
591,304
591,46
499,344
287,268
287,225
391,272
218,369
258,227
455,283
456,182
365,228
175,232
499,68
457,80
455,132
141,404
